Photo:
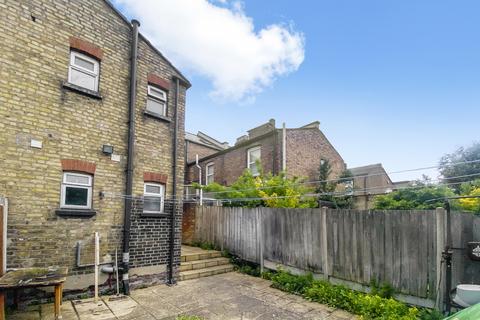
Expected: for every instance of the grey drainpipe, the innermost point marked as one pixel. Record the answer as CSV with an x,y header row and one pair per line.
x,y
171,280
131,154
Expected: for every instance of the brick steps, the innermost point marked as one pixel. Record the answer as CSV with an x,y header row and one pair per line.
x,y
200,256
197,263
201,264
205,272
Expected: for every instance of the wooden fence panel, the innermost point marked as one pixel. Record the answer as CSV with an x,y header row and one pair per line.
x,y
396,247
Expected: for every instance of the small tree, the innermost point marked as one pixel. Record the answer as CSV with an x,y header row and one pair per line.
x,y
472,189
327,186
450,170
263,190
414,198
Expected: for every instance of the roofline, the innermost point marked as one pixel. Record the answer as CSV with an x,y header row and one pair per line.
x,y
217,145
181,77
375,164
323,134
204,144
239,145
209,138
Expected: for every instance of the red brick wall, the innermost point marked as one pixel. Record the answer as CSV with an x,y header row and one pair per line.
x,y
188,223
200,149
305,149
231,164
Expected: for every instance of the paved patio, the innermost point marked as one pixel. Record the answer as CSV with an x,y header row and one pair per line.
x,y
224,296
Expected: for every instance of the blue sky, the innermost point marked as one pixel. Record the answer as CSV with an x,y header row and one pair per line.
x,y
395,82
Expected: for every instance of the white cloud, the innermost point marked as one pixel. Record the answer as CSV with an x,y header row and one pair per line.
x,y
220,42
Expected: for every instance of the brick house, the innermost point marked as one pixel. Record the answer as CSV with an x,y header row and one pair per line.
x,y
298,151
83,127
202,145
368,182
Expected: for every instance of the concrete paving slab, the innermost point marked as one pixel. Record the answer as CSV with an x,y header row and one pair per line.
x,y
120,305
88,309
68,312
24,315
226,296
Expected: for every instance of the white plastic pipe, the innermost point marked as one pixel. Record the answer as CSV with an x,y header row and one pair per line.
x,y
199,178
97,262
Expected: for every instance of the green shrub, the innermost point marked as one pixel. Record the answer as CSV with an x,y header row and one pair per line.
x,y
291,283
429,314
204,245
368,306
384,290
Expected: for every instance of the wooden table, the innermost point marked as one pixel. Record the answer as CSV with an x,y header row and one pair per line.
x,y
33,278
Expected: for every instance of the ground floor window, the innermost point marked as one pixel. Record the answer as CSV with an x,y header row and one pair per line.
x,y
154,194
76,191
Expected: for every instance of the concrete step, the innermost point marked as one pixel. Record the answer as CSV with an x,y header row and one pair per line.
x,y
200,264
205,272
204,255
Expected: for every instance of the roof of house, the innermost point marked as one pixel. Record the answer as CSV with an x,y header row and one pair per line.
x,y
206,140
262,131
181,76
371,169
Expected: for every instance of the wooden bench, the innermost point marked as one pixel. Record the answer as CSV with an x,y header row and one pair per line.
x,y
33,278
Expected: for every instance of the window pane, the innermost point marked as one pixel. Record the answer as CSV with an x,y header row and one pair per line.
x,y
209,170
84,63
76,196
74,179
254,155
152,204
82,79
156,106
152,189
157,93
210,179
254,169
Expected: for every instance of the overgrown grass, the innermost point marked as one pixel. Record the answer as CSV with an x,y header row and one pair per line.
x,y
368,306
204,245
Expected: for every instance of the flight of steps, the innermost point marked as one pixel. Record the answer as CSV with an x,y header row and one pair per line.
x,y
204,263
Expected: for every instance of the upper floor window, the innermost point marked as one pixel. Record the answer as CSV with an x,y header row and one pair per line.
x,y
157,101
210,173
76,191
153,198
253,155
84,71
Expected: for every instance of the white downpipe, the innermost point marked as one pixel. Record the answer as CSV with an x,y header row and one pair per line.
x,y
97,262
199,178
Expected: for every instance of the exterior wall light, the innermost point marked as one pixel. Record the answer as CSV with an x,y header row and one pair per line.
x,y
107,149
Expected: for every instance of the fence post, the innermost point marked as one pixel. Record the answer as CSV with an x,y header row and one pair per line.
x,y
323,228
440,216
259,216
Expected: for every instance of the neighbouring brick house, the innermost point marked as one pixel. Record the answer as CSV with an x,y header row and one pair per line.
x,y
65,86
202,145
368,182
298,151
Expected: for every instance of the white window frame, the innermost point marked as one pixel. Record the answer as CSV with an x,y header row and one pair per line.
x,y
158,95
65,184
160,195
211,175
250,162
96,68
